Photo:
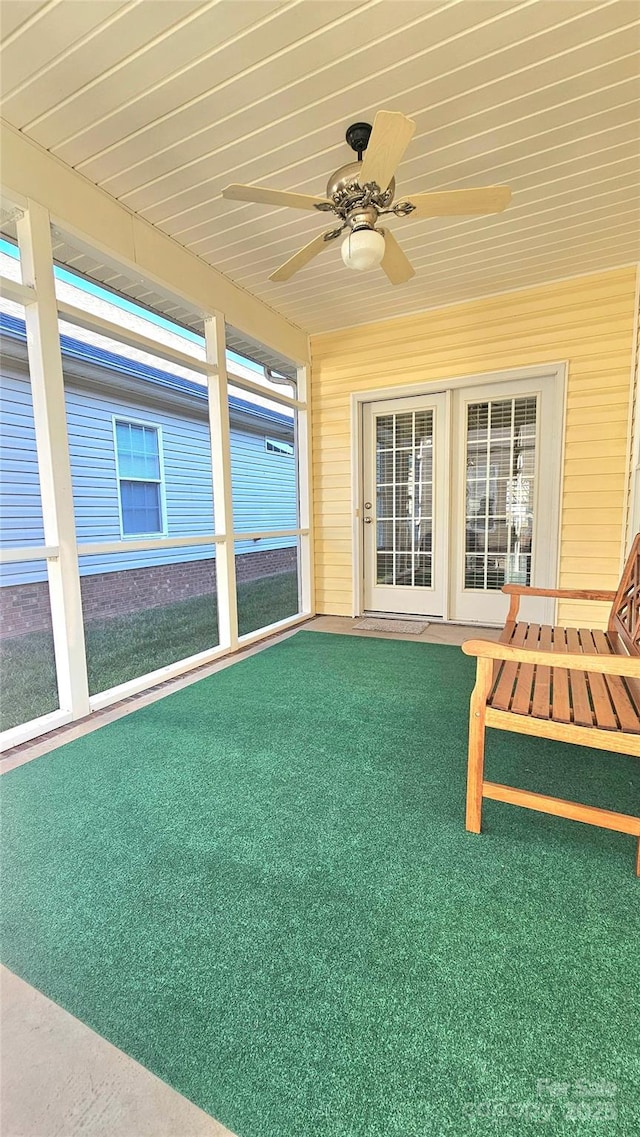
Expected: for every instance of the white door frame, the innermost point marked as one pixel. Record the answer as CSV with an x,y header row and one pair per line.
x,y
428,600
556,371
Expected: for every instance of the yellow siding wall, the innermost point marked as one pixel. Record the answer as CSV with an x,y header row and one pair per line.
x,y
587,322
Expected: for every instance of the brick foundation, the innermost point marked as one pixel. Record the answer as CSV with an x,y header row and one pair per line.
x,y
25,607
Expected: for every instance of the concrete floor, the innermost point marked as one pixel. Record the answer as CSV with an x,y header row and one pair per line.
x,y
58,1077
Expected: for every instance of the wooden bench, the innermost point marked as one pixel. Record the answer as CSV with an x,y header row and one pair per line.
x,y
580,686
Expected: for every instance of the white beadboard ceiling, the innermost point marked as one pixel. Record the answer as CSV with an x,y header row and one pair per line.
x,y
164,102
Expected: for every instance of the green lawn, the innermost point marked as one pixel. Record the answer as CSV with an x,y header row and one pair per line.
x,y
127,646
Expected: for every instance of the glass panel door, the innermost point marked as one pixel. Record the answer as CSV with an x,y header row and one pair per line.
x,y
499,500
403,566
506,473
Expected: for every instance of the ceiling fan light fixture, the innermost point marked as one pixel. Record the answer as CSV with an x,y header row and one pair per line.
x,y
363,249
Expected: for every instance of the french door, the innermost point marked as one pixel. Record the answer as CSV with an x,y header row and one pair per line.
x,y
461,496
405,462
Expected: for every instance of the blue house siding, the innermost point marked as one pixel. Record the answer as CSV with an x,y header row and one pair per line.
x,y
185,464
264,487
20,501
99,386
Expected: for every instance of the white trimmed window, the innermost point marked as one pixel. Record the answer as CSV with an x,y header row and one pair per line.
x,y
139,471
275,446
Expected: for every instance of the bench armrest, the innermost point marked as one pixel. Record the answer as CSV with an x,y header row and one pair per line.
x,y
566,593
626,665
515,591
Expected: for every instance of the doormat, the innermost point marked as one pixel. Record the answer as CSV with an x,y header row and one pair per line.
x,y
403,627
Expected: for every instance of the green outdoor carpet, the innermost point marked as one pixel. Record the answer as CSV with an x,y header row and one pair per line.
x,y
261,888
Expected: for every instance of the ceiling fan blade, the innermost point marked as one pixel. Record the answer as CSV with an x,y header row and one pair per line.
x,y
304,255
273,197
394,262
453,203
392,132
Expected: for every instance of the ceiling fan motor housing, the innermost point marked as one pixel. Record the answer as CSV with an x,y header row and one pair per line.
x,y
346,191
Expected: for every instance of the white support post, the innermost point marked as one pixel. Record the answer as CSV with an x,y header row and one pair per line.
x,y
47,385
215,342
306,572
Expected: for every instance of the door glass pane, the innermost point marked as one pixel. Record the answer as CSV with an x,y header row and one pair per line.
x,y
404,498
500,482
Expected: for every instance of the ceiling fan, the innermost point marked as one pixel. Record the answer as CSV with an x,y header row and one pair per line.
x,y
362,192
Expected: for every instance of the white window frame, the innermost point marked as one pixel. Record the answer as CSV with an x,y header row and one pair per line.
x,y
273,446
163,532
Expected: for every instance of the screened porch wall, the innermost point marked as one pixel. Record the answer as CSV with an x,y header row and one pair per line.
x,y
70,552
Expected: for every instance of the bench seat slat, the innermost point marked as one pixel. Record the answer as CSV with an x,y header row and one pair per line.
x,y
541,699
521,702
560,698
503,688
603,712
582,713
627,712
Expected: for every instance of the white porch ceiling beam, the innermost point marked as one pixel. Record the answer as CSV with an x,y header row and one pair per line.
x,y
85,211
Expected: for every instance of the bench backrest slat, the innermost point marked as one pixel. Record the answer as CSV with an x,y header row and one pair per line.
x,y
624,619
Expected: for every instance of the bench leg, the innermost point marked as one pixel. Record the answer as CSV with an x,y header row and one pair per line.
x,y
475,769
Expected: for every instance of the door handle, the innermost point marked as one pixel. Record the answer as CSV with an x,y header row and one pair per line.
x,y
368,520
